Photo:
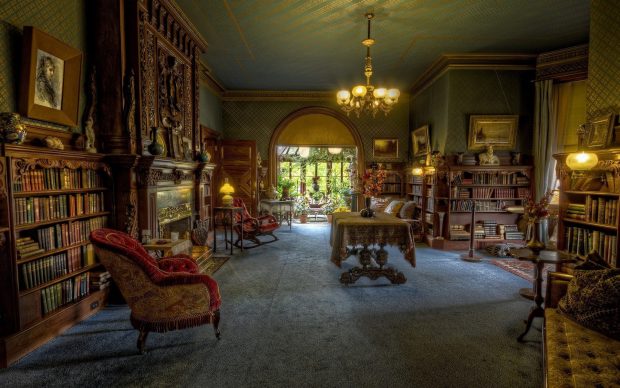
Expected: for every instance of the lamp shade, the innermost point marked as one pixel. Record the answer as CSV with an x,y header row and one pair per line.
x,y
227,190
581,160
417,171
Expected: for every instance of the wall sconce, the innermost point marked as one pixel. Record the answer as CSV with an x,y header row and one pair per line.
x,y
417,171
227,190
581,161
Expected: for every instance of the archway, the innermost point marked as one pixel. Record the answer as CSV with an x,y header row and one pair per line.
x,y
314,126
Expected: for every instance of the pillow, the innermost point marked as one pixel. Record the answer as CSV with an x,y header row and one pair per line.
x,y
593,300
394,207
379,204
406,212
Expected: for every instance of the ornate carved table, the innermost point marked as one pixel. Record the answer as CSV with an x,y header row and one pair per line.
x,y
367,237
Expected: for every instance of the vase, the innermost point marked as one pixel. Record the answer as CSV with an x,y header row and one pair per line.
x,y
204,157
155,148
367,211
11,128
534,244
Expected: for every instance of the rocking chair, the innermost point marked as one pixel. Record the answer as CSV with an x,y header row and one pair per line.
x,y
253,226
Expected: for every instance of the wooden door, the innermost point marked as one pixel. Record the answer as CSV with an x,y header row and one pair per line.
x,y
237,162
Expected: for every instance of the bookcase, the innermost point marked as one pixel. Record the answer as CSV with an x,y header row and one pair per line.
x,y
490,189
51,201
588,208
394,180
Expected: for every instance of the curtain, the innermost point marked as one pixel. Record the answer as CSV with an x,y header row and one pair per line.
x,y
545,135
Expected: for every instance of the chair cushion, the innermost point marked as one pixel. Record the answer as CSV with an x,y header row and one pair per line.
x,y
593,300
394,207
406,211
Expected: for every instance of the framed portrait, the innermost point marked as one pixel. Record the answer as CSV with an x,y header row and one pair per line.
x,y
420,141
601,131
385,148
498,131
50,79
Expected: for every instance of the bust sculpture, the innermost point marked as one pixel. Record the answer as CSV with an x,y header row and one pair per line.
x,y
487,158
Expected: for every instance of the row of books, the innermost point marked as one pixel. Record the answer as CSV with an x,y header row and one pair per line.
x,y
416,190
99,280
416,179
581,241
391,188
511,232
37,209
65,292
601,210
65,234
57,179
490,178
481,206
487,230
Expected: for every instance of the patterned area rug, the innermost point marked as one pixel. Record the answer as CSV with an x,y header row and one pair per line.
x,y
523,269
214,263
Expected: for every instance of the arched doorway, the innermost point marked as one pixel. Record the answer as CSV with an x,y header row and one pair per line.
x,y
314,126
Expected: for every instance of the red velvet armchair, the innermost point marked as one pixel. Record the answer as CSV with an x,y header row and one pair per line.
x,y
163,295
254,226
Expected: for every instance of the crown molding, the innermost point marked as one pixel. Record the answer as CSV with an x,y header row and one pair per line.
x,y
568,64
476,61
276,95
180,16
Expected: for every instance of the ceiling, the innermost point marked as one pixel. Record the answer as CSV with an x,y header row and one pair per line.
x,y
315,45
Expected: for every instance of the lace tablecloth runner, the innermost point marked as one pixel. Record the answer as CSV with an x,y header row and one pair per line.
x,y
351,229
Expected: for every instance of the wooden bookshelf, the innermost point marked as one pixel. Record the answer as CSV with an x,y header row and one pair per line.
x,y
53,200
589,209
490,189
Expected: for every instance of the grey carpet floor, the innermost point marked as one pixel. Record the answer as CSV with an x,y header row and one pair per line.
x,y
288,322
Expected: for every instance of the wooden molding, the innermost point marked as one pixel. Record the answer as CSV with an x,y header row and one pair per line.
x,y
476,61
569,64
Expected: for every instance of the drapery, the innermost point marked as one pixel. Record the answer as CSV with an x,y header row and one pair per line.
x,y
545,135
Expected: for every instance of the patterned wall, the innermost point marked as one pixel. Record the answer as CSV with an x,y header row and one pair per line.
x,y
447,104
63,19
257,120
430,107
210,109
603,88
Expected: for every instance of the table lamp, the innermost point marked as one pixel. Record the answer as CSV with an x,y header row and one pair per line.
x,y
227,190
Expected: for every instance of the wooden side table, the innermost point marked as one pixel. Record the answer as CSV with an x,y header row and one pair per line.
x,y
545,257
229,215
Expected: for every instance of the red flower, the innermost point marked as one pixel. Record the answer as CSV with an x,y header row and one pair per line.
x,y
372,182
537,210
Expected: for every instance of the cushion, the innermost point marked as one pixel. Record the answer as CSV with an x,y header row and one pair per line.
x,y
394,207
593,300
406,212
379,204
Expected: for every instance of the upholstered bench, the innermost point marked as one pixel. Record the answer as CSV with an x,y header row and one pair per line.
x,y
574,355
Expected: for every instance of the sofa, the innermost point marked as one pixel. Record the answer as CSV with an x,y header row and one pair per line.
x,y
402,208
575,355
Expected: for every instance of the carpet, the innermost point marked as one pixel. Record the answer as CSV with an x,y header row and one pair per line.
x,y
523,269
213,264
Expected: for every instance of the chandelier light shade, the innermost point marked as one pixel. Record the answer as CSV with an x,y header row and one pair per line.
x,y
304,152
367,98
334,150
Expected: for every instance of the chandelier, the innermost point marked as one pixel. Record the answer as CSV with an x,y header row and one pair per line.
x,y
367,98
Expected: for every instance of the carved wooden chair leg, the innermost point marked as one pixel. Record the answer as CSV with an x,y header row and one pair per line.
x,y
142,341
216,323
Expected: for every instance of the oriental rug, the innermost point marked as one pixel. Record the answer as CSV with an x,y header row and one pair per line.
x,y
523,269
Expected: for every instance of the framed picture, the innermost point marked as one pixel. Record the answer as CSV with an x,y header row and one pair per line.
x,y
498,131
601,131
420,141
385,148
50,80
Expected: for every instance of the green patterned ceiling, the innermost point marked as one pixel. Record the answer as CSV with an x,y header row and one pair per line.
x,y
316,45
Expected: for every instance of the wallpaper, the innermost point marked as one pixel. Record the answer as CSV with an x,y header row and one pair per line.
x,y
245,120
63,19
603,89
430,107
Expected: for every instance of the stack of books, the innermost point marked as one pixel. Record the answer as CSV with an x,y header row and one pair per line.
x,y
479,231
511,232
469,160
576,211
490,230
27,247
99,280
458,233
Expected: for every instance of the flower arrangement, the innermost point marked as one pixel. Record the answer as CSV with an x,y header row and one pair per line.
x,y
537,210
372,182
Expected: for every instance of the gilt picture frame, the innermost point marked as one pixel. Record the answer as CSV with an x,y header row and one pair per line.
x,y
601,131
50,79
385,148
498,130
420,141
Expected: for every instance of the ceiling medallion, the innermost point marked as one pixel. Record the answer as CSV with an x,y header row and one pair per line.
x,y
367,98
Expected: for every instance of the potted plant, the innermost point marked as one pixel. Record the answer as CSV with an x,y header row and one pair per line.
x,y
302,206
284,187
